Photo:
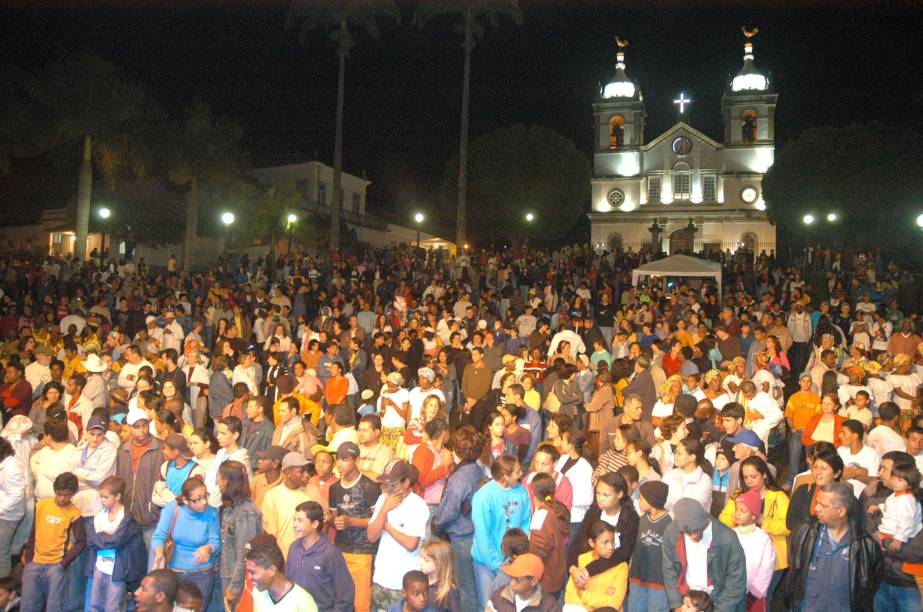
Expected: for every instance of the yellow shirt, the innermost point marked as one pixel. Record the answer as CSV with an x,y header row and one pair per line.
x,y
52,529
801,407
305,406
684,337
602,590
73,366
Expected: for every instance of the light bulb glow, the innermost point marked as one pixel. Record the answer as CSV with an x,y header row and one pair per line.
x,y
808,219
227,218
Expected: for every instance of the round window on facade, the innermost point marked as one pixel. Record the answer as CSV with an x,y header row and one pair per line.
x,y
749,194
616,198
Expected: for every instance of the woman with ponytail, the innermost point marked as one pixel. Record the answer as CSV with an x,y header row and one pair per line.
x,y
548,533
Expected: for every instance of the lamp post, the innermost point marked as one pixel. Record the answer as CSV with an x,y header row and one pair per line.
x,y
104,214
291,219
419,218
808,219
832,217
227,218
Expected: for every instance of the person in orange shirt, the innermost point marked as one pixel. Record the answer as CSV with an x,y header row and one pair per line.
x,y
337,385
801,407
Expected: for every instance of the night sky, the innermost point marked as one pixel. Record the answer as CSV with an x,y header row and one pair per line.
x,y
403,92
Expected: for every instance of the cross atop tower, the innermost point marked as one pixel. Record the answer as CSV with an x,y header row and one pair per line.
x,y
682,100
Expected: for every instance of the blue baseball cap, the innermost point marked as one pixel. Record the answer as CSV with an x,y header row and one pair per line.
x,y
749,438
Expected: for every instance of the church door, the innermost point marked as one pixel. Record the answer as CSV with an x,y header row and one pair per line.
x,y
679,241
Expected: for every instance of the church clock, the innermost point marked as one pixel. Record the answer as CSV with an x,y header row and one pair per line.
x,y
682,146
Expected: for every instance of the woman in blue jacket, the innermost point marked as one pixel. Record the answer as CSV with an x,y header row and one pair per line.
x,y
453,515
498,506
195,529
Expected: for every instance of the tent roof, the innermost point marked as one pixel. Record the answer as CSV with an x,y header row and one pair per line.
x,y
680,265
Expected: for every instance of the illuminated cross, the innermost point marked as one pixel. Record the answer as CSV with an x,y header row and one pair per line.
x,y
682,100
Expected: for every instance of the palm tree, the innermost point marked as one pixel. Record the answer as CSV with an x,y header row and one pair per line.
x,y
85,101
474,14
340,19
204,152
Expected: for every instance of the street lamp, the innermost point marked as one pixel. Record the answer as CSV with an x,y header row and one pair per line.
x,y
104,214
808,219
920,221
292,218
832,217
530,217
418,217
227,218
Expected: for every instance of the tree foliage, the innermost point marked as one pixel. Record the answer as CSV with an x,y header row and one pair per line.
x,y
517,170
131,203
870,175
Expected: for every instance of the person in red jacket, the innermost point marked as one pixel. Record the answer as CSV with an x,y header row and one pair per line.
x,y
825,425
15,392
433,461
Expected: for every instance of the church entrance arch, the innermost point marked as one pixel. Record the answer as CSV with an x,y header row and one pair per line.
x,y
748,242
679,241
615,243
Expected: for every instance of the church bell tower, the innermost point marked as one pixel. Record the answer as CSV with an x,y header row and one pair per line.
x,y
619,111
749,103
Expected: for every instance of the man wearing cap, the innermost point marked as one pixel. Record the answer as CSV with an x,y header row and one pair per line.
x,y
38,373
172,332
279,503
745,443
352,500
509,367
398,524
269,474
704,555
523,593
138,463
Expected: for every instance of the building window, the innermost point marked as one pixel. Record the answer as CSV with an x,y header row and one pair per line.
x,y
617,132
708,188
356,199
653,190
322,193
748,127
682,180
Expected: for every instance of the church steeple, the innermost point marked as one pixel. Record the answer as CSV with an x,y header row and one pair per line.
x,y
620,109
749,104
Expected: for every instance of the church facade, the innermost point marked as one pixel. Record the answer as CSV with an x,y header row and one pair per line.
x,y
683,191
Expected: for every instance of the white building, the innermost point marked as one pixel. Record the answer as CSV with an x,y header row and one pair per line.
x,y
682,184
314,181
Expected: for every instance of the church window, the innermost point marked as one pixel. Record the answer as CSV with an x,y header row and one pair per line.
x,y
653,189
681,181
708,188
748,127
617,132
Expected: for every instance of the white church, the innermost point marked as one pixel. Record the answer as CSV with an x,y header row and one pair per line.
x,y
682,190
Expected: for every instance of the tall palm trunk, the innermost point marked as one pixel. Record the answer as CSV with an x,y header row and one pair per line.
x,y
336,199
461,210
84,193
192,222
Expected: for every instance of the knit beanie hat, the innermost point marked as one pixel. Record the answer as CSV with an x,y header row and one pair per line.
x,y
655,493
689,515
752,500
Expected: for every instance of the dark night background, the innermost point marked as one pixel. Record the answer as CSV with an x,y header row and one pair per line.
x,y
831,66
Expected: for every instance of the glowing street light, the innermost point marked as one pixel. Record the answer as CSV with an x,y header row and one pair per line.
x,y
227,218
808,219
831,217
104,213
291,218
419,218
920,221
530,217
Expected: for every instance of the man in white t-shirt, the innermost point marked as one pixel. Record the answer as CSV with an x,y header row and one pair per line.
x,y
884,438
398,524
861,461
272,589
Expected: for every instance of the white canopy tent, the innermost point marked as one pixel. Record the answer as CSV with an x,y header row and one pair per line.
x,y
679,266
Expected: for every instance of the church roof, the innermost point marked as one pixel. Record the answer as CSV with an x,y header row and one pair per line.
x,y
683,126
749,78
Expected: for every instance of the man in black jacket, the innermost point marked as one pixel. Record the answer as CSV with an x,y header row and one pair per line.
x,y
833,564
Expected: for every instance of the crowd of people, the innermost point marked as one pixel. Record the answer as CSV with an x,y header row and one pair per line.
x,y
399,430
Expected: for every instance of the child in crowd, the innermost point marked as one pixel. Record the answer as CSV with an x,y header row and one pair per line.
x,y
9,594
901,515
416,593
515,542
117,554
696,601
604,589
548,533
315,564
188,598
719,481
438,563
646,574
758,548
523,591
177,468
367,407
57,539
630,474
